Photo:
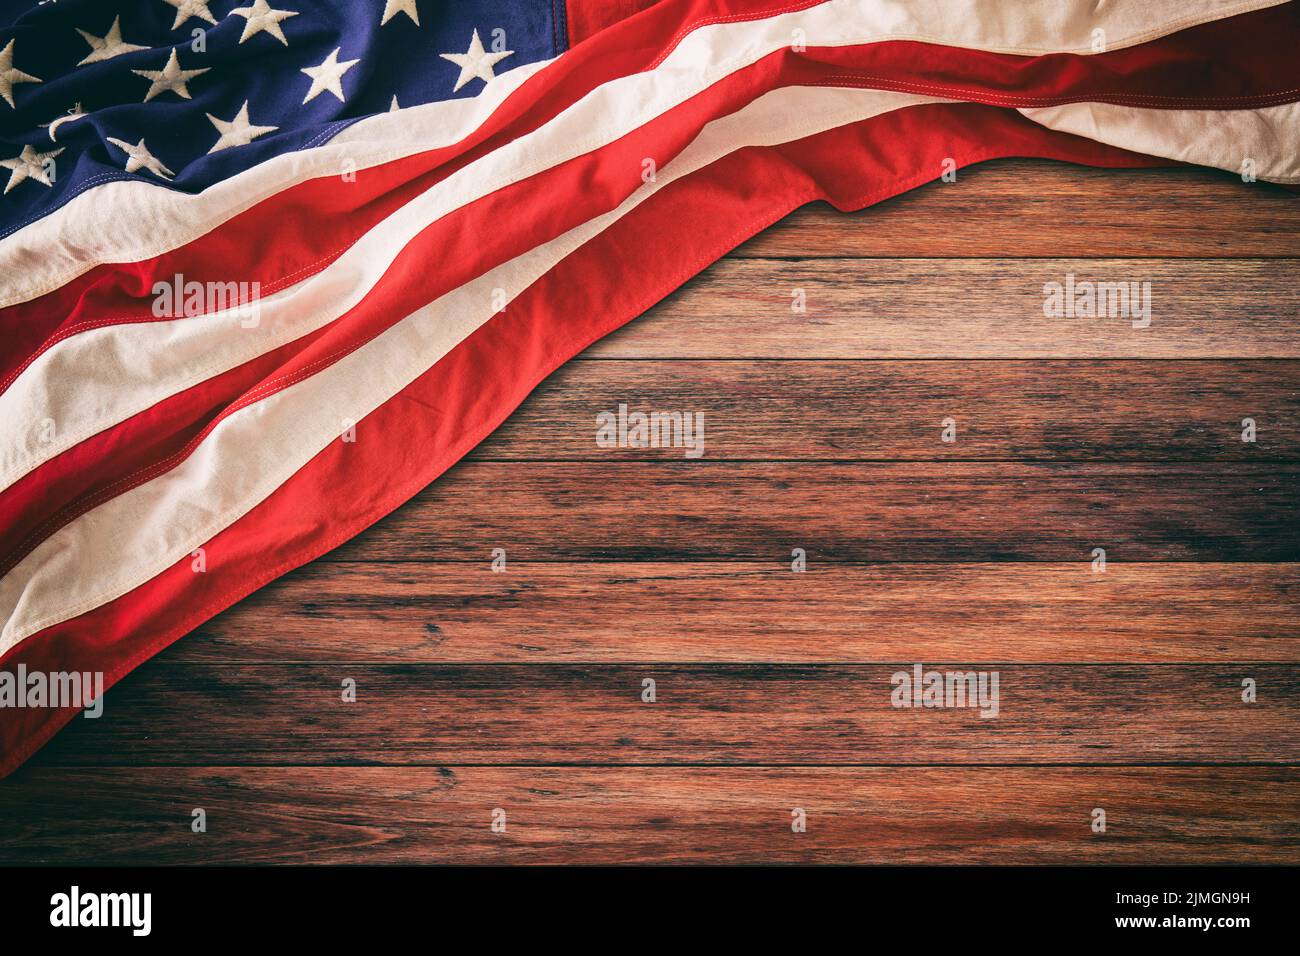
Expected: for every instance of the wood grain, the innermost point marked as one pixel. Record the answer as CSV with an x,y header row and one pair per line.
x,y
753,613
915,512
771,411
1014,208
414,815
959,308
521,690
704,714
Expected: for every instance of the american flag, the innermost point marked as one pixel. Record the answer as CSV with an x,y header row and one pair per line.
x,y
269,267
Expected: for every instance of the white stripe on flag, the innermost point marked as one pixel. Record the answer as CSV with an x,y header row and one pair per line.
x,y
1268,138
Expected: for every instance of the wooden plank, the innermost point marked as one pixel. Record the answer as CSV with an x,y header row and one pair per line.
x,y
373,815
749,613
955,308
914,512
854,411
197,714
1018,208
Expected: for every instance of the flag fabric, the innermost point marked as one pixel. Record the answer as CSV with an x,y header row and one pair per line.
x,y
269,267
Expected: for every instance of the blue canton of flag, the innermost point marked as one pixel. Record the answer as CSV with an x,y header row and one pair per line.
x,y
185,93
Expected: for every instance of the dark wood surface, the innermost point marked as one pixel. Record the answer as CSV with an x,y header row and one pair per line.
x,y
1106,411
750,612
704,714
986,308
1207,814
521,690
931,511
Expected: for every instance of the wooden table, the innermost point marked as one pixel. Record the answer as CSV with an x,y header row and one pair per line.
x,y
521,690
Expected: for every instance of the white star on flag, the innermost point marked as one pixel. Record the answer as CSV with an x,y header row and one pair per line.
x,y
262,18
475,62
170,77
238,131
139,157
29,164
328,76
185,9
9,76
107,46
393,7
